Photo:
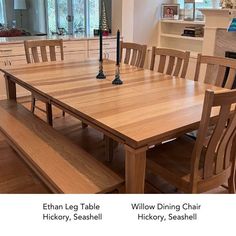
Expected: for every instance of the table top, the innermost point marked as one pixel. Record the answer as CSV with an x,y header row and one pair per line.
x,y
148,108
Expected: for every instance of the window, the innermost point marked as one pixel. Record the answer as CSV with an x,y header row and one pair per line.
x,y
73,16
2,12
202,3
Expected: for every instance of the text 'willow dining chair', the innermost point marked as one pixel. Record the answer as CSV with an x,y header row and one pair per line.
x,y
134,54
190,165
177,61
220,71
43,51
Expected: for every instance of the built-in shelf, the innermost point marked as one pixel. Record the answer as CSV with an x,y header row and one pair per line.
x,y
182,37
184,22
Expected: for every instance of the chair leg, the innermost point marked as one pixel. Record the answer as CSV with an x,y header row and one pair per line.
x,y
232,184
109,149
33,101
49,113
84,125
63,113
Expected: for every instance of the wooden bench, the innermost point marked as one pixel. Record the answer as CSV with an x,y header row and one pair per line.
x,y
63,166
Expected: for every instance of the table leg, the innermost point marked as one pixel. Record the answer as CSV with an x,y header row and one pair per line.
x,y
10,88
135,168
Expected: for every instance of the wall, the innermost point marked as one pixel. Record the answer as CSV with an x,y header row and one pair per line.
x,y
140,20
116,15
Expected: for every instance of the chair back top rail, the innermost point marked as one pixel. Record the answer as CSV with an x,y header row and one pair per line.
x,y
35,48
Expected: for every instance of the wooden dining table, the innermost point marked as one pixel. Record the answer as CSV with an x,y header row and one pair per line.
x,y
147,109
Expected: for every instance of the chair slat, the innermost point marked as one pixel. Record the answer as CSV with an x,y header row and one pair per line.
x,y
127,56
44,54
134,58
231,78
225,145
162,64
178,67
214,141
52,50
35,54
170,65
209,74
220,76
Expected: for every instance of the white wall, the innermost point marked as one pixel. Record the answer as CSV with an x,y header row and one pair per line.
x,y
137,19
116,15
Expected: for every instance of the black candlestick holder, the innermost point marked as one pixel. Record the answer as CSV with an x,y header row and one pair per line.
x,y
101,74
117,80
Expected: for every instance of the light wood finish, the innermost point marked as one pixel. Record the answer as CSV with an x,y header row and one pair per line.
x,y
135,162
40,48
14,171
47,50
62,165
216,69
191,166
177,61
134,53
129,114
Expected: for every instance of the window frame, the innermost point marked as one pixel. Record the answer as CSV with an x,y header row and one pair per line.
x,y
70,4
3,12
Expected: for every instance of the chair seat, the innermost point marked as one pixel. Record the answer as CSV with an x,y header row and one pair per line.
x,y
173,159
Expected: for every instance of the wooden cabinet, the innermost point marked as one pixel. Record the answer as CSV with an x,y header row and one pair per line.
x,y
12,54
109,49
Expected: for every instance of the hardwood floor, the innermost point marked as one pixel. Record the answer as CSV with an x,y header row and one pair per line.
x,y
16,177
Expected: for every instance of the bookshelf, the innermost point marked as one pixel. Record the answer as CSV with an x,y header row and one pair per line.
x,y
170,36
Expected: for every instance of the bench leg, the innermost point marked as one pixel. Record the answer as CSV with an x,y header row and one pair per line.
x,y
109,151
10,88
49,113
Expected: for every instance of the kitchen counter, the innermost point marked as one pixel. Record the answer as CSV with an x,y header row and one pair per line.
x,y
12,40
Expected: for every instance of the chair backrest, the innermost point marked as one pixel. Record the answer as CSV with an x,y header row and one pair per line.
x,y
134,54
220,152
216,70
177,63
34,49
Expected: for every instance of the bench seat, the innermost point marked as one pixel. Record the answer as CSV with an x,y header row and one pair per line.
x,y
62,165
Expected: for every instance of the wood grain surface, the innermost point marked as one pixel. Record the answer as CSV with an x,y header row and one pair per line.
x,y
147,109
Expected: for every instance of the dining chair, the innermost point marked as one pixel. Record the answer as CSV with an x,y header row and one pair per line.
x,y
220,71
43,51
177,61
190,165
134,53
